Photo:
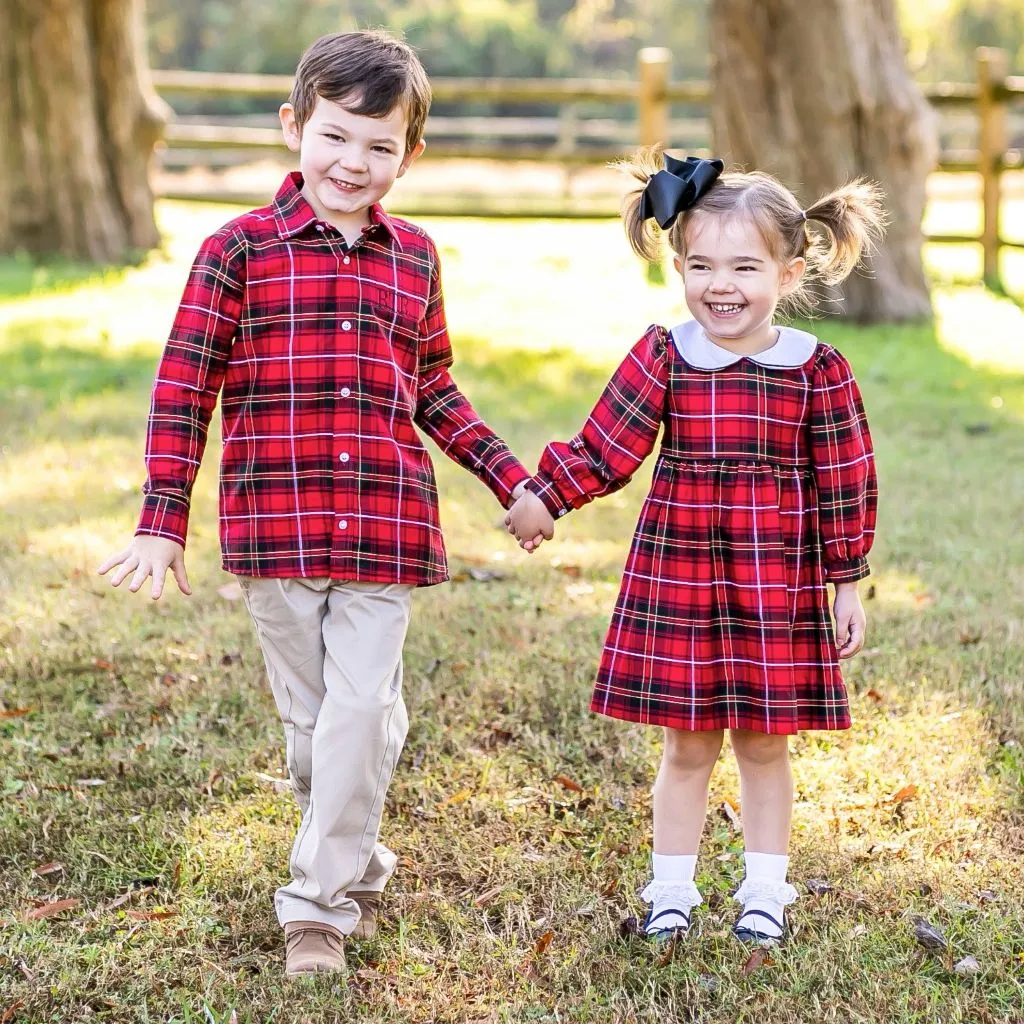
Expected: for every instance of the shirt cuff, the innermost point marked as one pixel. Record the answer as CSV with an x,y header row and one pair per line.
x,y
848,571
544,487
164,516
506,476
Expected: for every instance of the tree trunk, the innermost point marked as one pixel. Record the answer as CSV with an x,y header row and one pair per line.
x,y
77,129
818,93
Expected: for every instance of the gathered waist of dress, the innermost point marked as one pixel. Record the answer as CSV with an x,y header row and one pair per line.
x,y
735,461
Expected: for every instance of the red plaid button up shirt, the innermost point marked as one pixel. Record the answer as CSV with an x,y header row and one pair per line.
x,y
326,356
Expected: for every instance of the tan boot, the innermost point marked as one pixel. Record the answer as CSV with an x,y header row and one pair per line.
x,y
311,947
369,903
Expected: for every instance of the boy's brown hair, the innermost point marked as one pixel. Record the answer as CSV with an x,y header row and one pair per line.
x,y
369,73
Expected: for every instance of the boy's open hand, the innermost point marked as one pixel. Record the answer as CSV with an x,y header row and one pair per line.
x,y
530,522
851,621
149,556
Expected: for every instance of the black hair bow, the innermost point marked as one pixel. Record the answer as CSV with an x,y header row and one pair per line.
x,y
678,187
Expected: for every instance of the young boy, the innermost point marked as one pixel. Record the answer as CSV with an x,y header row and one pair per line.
x,y
320,320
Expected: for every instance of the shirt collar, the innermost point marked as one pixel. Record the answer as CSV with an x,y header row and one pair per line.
x,y
294,214
792,349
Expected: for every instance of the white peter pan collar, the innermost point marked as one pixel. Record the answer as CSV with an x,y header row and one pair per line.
x,y
792,349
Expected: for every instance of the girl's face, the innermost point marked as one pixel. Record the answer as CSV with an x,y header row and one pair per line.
x,y
732,282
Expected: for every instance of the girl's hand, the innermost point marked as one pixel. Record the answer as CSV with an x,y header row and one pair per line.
x,y
149,556
530,522
851,622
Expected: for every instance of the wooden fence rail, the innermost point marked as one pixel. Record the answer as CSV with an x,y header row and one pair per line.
x,y
653,95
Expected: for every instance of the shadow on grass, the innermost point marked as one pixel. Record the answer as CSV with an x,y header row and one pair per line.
x,y
21,276
51,376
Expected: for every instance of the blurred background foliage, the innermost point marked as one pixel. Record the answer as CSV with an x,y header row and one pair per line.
x,y
507,38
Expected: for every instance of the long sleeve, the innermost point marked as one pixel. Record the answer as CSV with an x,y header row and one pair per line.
x,y
445,413
188,380
844,469
619,433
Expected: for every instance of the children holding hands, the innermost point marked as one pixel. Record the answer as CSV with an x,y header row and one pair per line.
x,y
763,493
319,321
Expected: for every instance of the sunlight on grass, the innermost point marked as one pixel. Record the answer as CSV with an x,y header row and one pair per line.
x,y
985,330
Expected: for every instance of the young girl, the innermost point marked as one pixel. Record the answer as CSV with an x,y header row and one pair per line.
x,y
763,492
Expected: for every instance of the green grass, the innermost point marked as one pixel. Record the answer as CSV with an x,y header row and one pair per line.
x,y
166,703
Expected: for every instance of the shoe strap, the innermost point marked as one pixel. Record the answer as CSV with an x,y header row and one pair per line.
x,y
651,917
740,926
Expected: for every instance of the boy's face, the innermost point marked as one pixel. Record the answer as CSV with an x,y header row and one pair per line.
x,y
348,161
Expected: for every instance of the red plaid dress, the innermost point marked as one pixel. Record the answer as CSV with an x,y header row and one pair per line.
x,y
326,357
764,489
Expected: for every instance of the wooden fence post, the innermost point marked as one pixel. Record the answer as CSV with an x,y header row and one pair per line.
x,y
992,66
653,63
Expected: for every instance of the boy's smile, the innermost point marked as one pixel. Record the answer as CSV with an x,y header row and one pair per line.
x,y
348,161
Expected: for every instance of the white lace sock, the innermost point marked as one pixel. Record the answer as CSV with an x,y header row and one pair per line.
x,y
672,894
765,894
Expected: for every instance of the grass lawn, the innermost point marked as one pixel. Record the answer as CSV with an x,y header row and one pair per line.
x,y
142,757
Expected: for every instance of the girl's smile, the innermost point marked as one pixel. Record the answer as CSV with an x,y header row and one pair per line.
x,y
732,281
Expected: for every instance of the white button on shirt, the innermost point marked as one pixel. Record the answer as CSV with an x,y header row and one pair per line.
x,y
344,456
342,524
346,325
345,392
347,260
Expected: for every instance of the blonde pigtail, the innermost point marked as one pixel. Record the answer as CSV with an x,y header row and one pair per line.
x,y
854,219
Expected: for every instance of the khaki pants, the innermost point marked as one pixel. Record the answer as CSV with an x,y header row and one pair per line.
x,y
333,651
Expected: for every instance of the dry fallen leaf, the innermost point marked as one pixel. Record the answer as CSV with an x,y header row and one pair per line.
x,y
969,965
369,974
874,695
49,910
8,1014
458,798
669,951
151,915
102,663
819,886
485,897
16,712
906,793
729,812
928,935
52,868
569,784
759,958
543,942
